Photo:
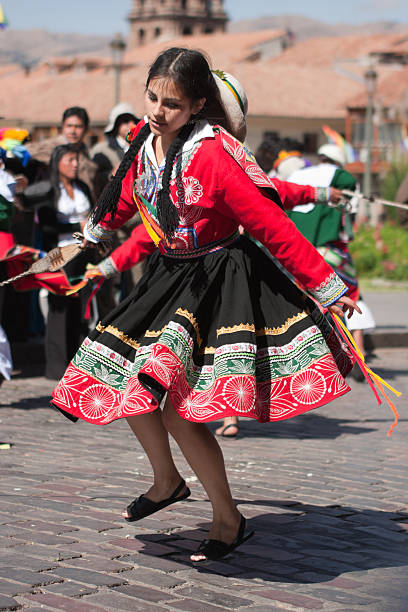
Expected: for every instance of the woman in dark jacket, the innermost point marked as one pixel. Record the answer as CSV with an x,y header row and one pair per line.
x,y
63,205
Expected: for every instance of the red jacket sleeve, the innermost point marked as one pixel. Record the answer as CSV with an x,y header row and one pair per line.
x,y
293,195
265,221
135,249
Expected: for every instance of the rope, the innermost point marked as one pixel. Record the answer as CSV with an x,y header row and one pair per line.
x,y
15,278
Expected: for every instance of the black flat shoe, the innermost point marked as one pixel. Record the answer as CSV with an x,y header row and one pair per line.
x,y
223,433
213,550
143,506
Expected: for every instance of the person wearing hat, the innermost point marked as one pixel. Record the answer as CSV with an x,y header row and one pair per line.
x,y
329,229
108,153
289,159
213,328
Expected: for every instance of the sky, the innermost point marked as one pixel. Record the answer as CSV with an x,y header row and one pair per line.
x,y
109,16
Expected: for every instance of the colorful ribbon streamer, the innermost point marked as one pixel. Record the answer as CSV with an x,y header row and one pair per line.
x,y
371,377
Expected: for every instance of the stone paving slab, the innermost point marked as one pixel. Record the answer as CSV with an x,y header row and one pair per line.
x,y
326,493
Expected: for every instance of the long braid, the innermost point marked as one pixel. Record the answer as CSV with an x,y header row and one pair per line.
x,y
167,213
108,200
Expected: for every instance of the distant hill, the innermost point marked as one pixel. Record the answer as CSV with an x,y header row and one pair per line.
x,y
303,27
28,47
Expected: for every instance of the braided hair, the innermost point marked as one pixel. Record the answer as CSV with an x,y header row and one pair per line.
x,y
190,71
108,200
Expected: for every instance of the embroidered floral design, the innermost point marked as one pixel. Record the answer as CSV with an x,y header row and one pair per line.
x,y
192,190
162,365
193,405
96,401
330,290
269,383
234,148
188,215
245,158
240,393
257,175
134,399
334,379
66,390
188,191
308,387
274,401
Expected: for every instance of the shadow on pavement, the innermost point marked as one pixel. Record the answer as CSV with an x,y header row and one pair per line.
x,y
304,545
29,403
390,373
313,426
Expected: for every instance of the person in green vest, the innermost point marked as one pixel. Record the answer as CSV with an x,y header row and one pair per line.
x,y
330,231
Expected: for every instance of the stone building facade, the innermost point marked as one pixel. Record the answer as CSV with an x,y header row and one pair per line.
x,y
152,20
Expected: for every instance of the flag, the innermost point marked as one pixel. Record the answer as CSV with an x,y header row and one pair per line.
x,y
3,19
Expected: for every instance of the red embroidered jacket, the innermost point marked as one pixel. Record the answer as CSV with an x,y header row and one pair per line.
x,y
217,186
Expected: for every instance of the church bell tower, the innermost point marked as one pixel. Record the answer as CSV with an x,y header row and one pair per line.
x,y
152,20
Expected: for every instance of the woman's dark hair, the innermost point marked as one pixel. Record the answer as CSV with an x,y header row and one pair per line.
x,y
123,118
190,71
56,156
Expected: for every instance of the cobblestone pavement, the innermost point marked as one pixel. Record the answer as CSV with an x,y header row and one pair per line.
x,y
327,494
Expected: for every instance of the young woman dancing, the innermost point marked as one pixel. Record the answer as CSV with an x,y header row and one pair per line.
x,y
213,323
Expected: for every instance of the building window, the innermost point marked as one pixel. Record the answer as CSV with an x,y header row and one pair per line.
x,y
184,4
208,30
187,31
358,133
390,133
268,135
142,34
157,32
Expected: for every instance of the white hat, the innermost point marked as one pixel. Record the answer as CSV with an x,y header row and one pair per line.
x,y
333,152
123,108
289,165
234,102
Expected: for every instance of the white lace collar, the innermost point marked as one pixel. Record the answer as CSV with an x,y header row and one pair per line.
x,y
202,129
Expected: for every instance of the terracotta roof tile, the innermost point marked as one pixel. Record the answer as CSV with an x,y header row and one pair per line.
x,y
391,90
325,51
301,82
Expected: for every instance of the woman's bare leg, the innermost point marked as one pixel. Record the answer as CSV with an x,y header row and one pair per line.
x,y
358,337
204,455
152,435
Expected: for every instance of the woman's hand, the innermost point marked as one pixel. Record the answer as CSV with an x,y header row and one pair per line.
x,y
87,243
335,195
93,272
344,305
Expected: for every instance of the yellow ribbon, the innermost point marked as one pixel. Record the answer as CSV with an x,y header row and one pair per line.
x,y
377,380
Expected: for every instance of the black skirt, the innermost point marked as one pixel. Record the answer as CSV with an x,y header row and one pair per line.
x,y
224,334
